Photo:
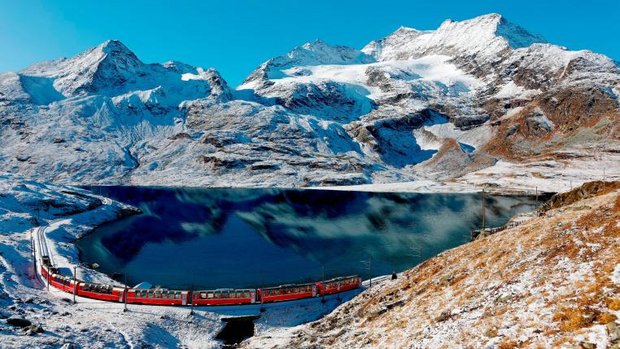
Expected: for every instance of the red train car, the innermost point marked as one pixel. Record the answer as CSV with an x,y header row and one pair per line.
x,y
100,291
158,296
44,272
224,297
287,293
62,282
339,284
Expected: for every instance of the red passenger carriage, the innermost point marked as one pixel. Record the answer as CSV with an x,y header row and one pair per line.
x,y
339,284
157,296
100,291
287,292
224,297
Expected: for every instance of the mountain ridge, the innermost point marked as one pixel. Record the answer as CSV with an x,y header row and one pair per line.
x,y
318,115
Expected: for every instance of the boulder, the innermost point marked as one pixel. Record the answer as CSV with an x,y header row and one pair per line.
x,y
18,321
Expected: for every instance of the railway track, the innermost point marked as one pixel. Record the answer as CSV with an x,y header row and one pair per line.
x,y
43,246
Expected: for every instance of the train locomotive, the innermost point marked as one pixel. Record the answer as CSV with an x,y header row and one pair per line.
x,y
162,296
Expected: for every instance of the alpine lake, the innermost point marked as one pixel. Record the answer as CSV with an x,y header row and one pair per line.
x,y
236,238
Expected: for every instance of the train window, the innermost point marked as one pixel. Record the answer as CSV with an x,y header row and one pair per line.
x,y
246,294
239,294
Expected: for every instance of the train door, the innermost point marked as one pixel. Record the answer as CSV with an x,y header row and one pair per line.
x,y
184,298
313,290
252,297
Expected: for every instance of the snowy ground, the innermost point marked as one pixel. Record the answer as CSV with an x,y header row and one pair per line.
x,y
509,178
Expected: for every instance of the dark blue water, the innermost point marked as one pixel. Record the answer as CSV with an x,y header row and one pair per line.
x,y
213,238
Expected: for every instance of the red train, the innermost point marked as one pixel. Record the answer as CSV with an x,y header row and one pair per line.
x,y
161,296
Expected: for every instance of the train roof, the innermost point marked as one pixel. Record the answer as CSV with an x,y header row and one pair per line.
x,y
228,290
288,286
156,289
340,278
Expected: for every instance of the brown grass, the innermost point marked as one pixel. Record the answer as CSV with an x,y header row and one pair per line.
x,y
508,344
571,319
613,303
605,318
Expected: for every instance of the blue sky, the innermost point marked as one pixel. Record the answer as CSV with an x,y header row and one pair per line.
x,y
235,36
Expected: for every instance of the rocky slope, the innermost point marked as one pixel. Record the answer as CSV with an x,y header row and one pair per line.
x,y
553,281
416,104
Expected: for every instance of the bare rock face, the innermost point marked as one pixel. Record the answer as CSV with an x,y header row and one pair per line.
x,y
320,114
557,120
450,161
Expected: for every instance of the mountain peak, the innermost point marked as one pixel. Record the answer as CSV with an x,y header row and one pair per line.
x,y
106,66
113,46
402,29
316,52
112,50
485,35
316,43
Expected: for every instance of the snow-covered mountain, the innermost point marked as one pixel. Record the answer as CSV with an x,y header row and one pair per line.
x,y
415,104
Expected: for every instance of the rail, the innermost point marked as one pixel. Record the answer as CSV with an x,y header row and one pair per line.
x,y
480,233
